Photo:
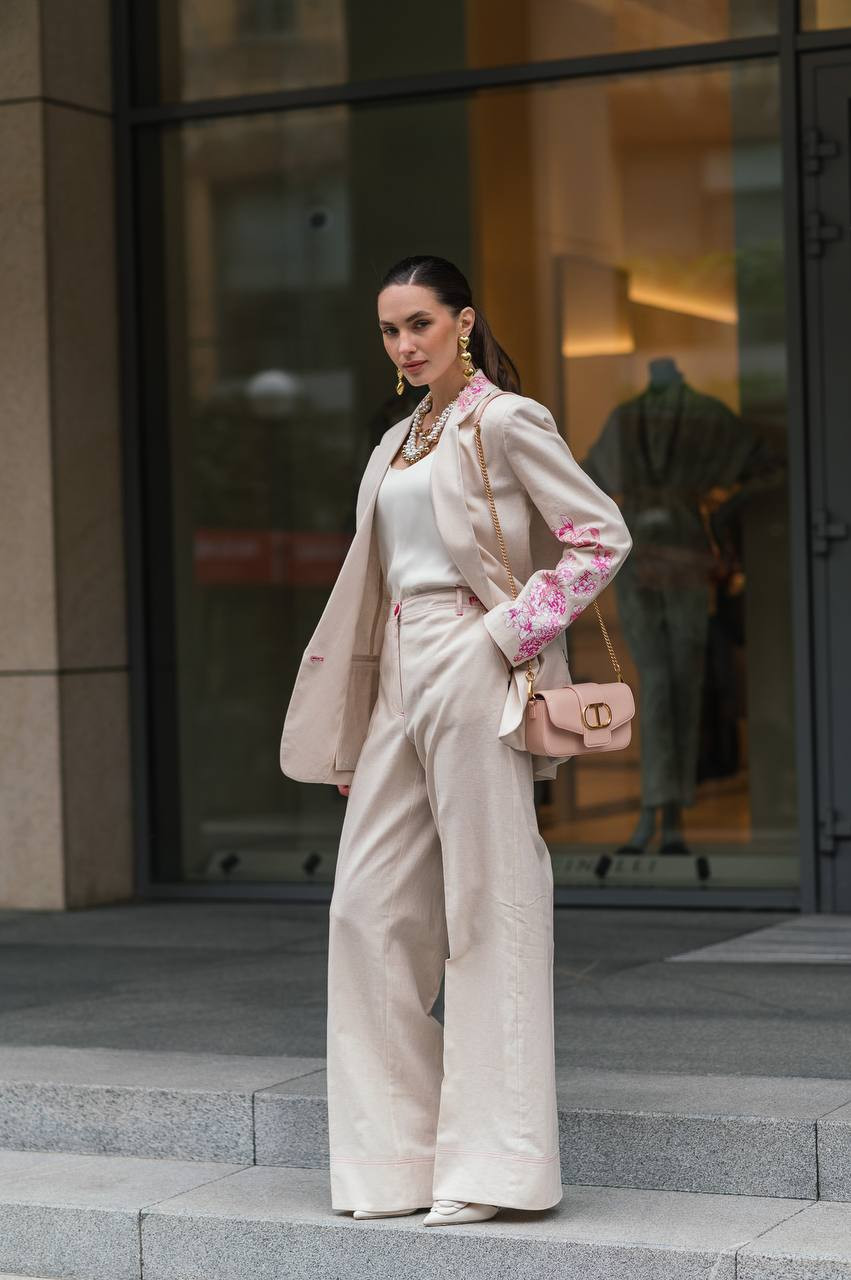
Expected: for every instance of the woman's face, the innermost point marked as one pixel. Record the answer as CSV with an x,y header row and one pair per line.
x,y
420,334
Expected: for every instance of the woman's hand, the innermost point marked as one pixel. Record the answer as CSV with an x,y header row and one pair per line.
x,y
344,788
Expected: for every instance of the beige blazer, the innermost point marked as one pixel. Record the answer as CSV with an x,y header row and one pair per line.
x,y
564,537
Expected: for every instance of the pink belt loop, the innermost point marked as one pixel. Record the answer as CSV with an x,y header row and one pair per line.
x,y
459,603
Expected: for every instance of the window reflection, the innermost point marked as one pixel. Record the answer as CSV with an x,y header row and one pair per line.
x,y
631,266
661,231
230,47
822,15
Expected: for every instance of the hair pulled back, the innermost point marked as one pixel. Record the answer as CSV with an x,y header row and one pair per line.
x,y
452,289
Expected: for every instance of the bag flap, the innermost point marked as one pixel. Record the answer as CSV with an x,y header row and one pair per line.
x,y
565,706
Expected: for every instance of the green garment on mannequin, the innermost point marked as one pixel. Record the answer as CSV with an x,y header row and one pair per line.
x,y
662,452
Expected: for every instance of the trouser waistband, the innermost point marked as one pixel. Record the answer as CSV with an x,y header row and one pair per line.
x,y
464,599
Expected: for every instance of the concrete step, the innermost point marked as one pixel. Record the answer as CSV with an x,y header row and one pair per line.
x,y
181,1106
64,1215
93,1217
747,1135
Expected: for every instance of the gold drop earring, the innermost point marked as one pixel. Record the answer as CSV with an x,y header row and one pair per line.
x,y
466,358
400,381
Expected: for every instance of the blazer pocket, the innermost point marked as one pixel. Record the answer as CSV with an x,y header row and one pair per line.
x,y
361,694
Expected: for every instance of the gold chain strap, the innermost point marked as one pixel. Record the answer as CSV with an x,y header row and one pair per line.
x,y
530,671
615,663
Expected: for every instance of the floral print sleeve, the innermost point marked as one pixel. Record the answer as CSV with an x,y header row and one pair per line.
x,y
582,518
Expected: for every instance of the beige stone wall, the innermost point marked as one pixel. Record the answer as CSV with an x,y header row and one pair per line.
x,y
65,812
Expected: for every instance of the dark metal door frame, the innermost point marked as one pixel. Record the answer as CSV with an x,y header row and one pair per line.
x,y
825,79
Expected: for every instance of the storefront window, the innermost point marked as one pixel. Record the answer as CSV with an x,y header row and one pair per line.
x,y
822,15
632,268
230,47
659,241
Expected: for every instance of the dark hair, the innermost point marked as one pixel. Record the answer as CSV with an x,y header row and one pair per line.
x,y
453,291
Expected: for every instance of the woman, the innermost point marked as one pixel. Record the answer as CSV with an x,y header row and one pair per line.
x,y
410,697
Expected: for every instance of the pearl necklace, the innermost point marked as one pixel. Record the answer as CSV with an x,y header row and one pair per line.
x,y
414,448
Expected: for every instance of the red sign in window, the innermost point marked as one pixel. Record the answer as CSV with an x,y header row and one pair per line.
x,y
273,557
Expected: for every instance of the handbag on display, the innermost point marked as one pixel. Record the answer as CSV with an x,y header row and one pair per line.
x,y
574,719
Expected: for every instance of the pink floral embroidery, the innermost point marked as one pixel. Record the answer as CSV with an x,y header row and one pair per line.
x,y
539,616
476,387
541,611
584,585
587,536
602,562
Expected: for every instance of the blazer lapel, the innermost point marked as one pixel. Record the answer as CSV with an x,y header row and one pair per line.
x,y
451,512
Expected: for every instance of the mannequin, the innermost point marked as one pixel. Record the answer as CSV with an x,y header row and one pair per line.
x,y
663,452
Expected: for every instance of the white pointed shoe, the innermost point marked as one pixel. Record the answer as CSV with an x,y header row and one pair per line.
x,y
446,1212
389,1213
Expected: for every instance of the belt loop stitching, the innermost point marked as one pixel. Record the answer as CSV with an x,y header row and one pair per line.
x,y
459,605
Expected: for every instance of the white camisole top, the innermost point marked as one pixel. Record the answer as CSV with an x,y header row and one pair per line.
x,y
412,553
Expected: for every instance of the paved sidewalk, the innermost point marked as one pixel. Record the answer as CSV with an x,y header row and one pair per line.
x,y
249,978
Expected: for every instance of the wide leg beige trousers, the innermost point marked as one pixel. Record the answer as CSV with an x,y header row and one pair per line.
x,y
441,874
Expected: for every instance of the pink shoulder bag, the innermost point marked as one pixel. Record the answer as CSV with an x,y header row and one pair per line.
x,y
577,718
